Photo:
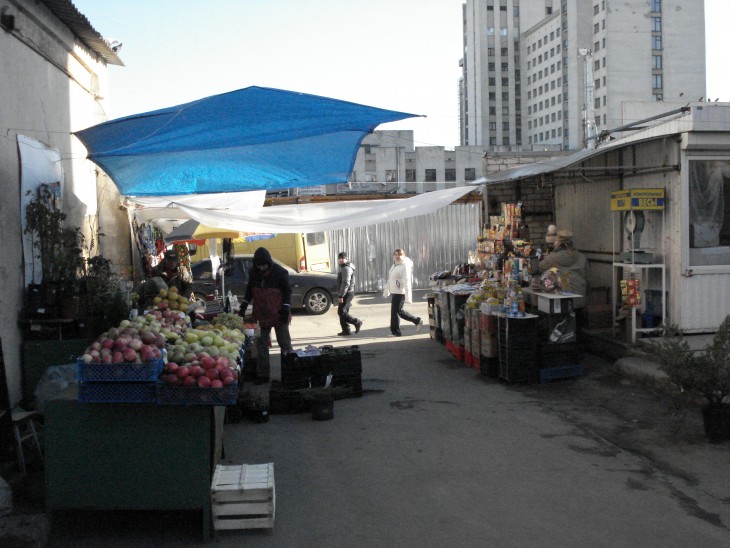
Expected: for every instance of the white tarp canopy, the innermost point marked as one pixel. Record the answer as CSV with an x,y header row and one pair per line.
x,y
317,217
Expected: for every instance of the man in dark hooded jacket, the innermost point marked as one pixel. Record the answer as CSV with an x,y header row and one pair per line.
x,y
345,294
268,287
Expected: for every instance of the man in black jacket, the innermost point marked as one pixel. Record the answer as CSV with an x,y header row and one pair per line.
x,y
345,294
268,286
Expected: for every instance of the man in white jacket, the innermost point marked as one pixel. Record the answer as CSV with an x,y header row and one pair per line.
x,y
400,282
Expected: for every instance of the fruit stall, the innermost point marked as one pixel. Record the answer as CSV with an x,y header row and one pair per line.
x,y
497,315
142,428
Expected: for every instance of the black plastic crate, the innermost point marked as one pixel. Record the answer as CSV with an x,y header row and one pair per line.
x,y
489,366
296,370
286,401
556,355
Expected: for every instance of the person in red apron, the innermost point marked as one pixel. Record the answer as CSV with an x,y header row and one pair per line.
x,y
268,288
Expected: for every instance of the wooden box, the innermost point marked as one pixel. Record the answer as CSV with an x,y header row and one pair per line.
x,y
243,496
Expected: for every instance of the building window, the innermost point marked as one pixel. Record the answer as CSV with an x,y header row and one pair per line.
x,y
596,28
656,6
656,81
656,42
596,46
493,126
505,126
391,176
597,83
490,67
505,67
505,52
450,174
490,52
492,81
595,9
492,111
470,174
656,62
430,176
656,24
505,96
503,31
410,175
505,81
490,31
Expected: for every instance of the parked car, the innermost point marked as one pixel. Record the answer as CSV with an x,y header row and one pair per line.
x,y
313,291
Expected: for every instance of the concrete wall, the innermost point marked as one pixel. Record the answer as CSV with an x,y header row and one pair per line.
x,y
50,86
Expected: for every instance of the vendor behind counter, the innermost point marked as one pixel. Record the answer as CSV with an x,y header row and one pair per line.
x,y
572,265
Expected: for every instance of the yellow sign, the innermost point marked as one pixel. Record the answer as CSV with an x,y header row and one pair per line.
x,y
638,199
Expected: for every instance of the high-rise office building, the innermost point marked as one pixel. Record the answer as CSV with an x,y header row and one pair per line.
x,y
548,73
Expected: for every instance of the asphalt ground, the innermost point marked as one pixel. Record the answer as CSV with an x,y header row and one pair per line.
x,y
437,454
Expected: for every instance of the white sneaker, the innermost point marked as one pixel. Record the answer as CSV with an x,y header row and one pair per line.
x,y
418,325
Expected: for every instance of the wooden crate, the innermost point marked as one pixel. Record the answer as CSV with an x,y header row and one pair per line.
x,y
243,496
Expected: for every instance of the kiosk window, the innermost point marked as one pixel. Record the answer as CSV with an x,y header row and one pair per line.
x,y
709,212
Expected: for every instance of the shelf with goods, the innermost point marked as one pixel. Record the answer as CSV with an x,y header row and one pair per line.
x,y
639,275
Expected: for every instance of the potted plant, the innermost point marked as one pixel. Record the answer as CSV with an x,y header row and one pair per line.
x,y
58,247
704,373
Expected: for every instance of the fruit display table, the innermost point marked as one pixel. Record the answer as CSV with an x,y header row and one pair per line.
x,y
122,456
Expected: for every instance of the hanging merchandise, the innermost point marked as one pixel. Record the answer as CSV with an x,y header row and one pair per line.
x,y
631,292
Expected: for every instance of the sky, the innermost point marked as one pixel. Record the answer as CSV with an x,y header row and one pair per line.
x,y
393,54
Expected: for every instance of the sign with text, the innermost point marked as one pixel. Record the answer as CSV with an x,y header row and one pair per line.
x,y
638,199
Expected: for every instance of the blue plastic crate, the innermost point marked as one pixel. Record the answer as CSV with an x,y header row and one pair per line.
x,y
168,394
566,372
119,372
117,392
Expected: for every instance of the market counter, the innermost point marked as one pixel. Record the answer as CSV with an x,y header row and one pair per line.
x,y
111,456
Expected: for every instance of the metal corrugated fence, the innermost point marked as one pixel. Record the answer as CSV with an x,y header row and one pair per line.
x,y
435,242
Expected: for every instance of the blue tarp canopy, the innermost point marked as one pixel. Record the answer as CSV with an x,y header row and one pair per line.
x,y
251,139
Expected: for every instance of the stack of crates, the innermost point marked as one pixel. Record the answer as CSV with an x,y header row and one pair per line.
x,y
444,315
243,497
489,347
472,337
518,359
345,365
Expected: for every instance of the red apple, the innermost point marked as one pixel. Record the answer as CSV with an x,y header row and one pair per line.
x,y
196,371
228,381
216,383
204,382
183,371
212,374
190,381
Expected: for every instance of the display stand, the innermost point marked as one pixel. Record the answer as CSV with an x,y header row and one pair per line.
x,y
121,456
631,204
643,271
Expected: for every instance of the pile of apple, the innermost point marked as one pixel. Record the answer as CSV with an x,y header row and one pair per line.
x,y
125,344
204,371
215,343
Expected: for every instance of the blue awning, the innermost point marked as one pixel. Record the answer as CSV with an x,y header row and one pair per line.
x,y
250,139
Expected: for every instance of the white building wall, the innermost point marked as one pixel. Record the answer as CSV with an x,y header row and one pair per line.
x,y
50,86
